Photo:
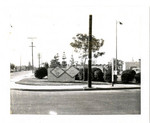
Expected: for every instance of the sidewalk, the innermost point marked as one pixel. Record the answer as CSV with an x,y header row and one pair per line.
x,y
30,83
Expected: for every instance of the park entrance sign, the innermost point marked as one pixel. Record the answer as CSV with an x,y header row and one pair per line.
x,y
62,74
57,72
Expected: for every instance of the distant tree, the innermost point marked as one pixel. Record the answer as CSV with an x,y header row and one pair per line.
x,y
64,63
72,62
29,66
46,65
55,62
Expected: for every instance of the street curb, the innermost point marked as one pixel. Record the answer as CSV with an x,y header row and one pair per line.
x,y
77,89
115,88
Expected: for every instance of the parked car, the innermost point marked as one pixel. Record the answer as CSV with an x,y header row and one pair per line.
x,y
137,70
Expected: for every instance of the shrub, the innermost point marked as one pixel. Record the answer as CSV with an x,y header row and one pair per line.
x,y
79,76
127,76
40,73
138,77
108,75
97,74
85,74
94,74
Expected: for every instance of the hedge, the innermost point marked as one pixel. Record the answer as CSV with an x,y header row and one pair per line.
x,y
108,75
96,74
138,77
127,76
40,73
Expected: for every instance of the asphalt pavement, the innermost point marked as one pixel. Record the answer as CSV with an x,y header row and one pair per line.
x,y
116,102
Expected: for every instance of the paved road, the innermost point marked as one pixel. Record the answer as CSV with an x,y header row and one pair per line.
x,y
75,102
17,76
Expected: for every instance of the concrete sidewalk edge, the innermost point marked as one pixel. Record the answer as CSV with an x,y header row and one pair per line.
x,y
75,89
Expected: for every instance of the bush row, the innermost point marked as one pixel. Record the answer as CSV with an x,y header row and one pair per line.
x,y
96,75
128,76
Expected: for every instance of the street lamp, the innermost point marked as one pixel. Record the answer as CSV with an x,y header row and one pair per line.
x,y
117,22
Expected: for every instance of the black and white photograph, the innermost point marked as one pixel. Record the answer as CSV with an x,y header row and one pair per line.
x,y
72,59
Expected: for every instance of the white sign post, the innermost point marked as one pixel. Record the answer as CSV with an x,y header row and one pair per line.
x,y
112,70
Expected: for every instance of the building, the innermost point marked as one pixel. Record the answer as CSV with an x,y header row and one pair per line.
x,y
133,66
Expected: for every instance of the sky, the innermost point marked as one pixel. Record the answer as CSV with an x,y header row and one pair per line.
x,y
54,24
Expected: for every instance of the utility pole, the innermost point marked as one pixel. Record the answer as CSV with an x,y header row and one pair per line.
x,y
90,52
32,52
20,63
39,56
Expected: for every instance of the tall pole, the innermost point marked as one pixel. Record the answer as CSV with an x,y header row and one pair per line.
x,y
116,64
112,71
90,52
32,57
32,52
39,56
20,63
115,77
